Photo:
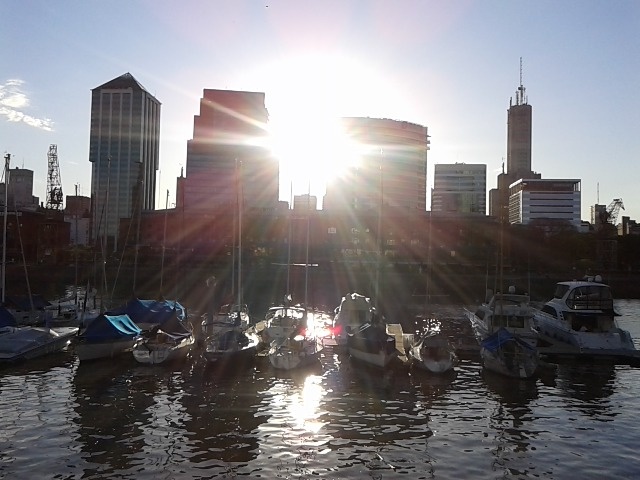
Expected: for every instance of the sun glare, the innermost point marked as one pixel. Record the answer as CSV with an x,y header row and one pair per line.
x,y
312,151
307,95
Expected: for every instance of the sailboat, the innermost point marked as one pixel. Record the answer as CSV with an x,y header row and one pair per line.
x,y
232,339
294,342
371,342
25,342
110,334
505,330
431,351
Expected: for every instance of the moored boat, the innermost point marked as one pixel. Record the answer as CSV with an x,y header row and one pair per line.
x,y
231,348
25,343
372,344
353,313
433,352
513,314
170,341
296,352
107,336
505,353
580,321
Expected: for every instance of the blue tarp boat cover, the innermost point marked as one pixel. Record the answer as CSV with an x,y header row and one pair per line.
x,y
150,311
6,318
499,338
110,327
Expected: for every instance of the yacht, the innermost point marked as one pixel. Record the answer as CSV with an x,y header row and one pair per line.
x,y
580,320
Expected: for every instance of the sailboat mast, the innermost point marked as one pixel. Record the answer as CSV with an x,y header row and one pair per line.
x,y
239,199
379,239
7,159
164,242
306,263
290,220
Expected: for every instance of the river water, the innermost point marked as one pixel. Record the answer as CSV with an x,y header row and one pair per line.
x,y
62,420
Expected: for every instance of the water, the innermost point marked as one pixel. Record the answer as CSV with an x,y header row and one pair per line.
x,y
338,420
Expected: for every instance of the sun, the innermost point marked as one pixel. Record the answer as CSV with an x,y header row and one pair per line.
x,y
312,151
307,95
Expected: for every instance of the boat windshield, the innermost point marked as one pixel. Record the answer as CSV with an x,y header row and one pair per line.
x,y
590,297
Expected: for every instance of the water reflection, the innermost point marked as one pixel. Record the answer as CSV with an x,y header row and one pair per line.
x,y
512,422
221,417
111,407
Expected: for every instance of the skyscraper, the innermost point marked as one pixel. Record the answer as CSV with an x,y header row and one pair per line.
x,y
124,152
229,145
393,165
519,123
459,188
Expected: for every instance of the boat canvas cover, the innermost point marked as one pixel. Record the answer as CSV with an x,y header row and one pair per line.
x,y
150,311
6,318
111,327
498,339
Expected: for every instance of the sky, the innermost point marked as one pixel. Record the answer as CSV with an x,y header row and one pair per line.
x,y
451,66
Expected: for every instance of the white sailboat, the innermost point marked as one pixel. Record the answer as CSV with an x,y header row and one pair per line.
x,y
372,342
232,340
294,342
504,328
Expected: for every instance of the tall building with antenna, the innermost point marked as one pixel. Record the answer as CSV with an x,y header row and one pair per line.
x,y
519,129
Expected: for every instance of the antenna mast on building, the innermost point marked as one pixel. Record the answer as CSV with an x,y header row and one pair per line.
x,y
521,98
54,186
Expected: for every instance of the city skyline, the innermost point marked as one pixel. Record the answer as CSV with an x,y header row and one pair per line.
x,y
449,67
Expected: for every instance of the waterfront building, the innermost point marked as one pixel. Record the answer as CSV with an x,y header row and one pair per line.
x,y
228,154
392,168
305,202
78,214
459,188
124,153
20,194
548,201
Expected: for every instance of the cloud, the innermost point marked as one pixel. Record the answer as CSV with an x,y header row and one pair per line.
x,y
14,102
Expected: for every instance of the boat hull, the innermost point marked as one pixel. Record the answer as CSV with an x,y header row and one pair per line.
x,y
507,354
372,345
87,351
156,353
293,354
25,343
231,349
569,341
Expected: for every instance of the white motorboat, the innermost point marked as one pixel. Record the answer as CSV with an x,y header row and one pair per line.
x,y
353,313
24,343
433,352
511,313
169,341
580,320
107,336
507,354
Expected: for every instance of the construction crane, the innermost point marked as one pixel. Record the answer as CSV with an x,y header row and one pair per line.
x,y
54,185
613,210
